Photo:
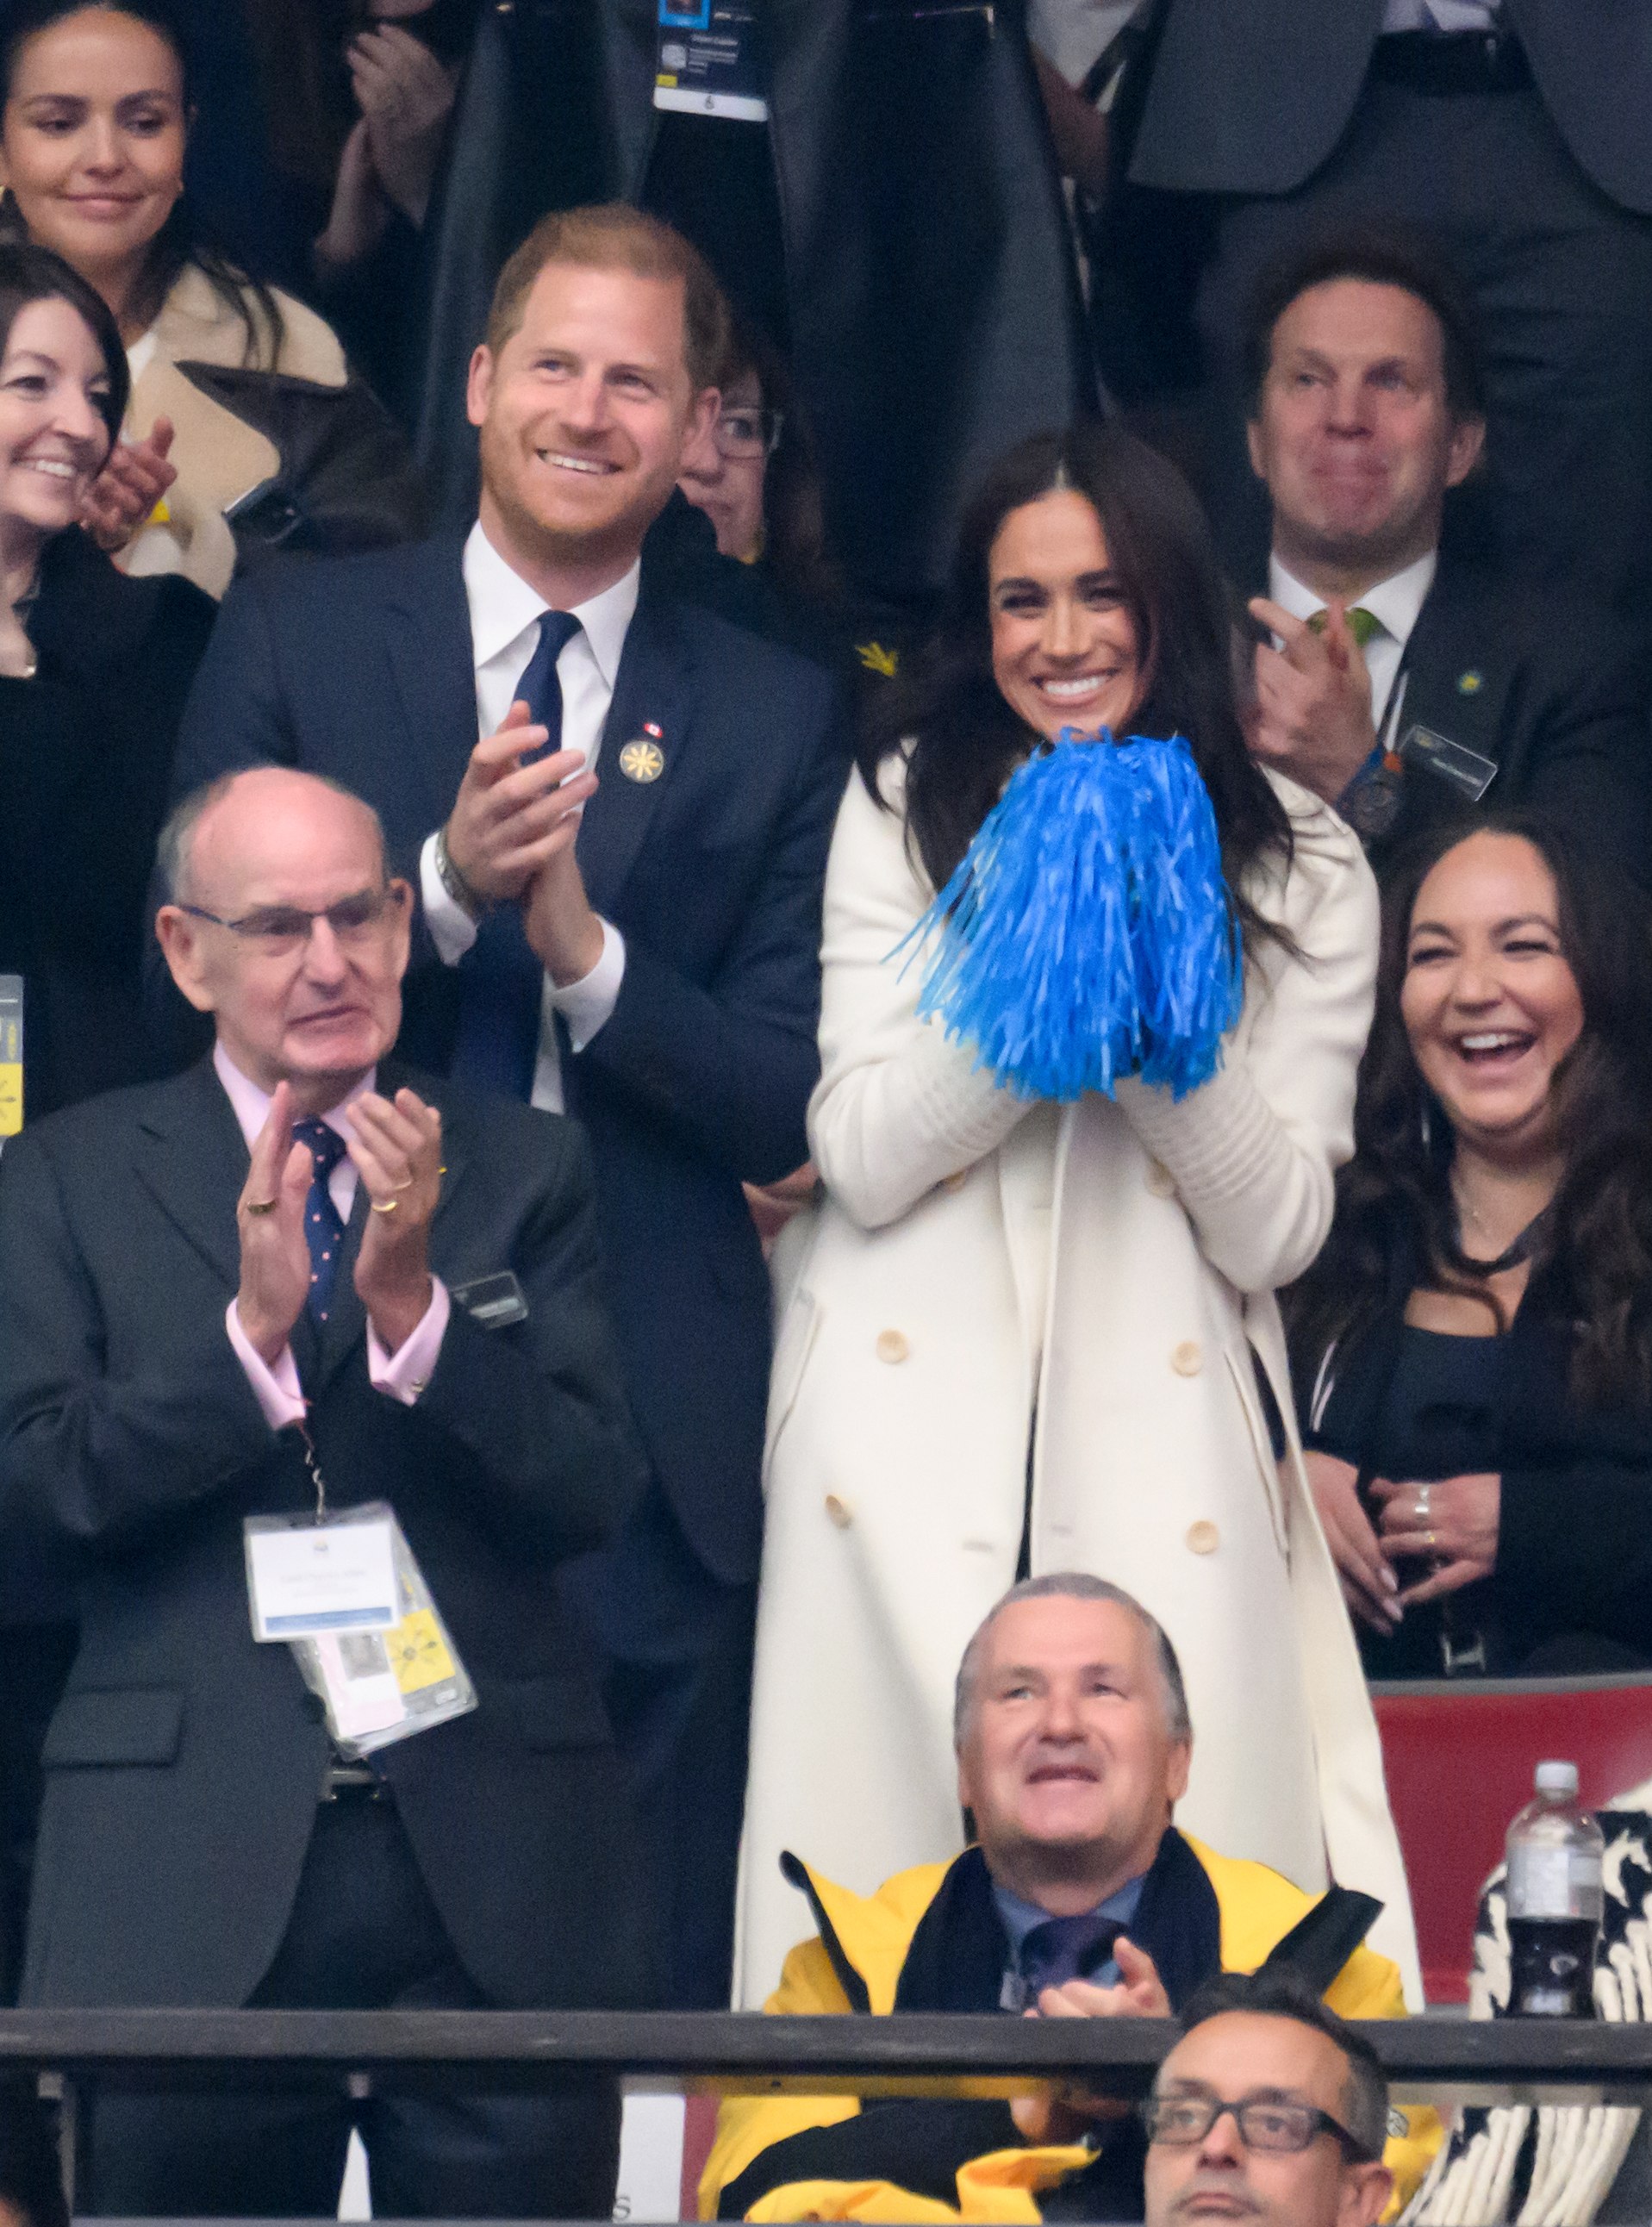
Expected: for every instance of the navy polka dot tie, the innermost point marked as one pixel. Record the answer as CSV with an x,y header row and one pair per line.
x,y
323,1230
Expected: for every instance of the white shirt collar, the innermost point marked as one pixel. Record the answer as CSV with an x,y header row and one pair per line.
x,y
502,604
252,1105
1395,603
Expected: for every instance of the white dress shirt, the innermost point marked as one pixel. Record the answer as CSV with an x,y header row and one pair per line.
x,y
403,1373
1440,14
1394,603
505,613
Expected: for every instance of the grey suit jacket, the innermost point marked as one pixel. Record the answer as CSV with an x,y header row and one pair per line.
x,y
184,1763
1251,96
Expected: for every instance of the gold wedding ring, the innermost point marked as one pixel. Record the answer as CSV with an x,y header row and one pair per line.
x,y
262,1205
385,1206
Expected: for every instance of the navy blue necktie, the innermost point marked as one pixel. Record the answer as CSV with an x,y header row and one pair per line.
x,y
500,979
1064,1949
324,1229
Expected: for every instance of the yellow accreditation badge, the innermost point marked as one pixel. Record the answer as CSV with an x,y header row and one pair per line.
x,y
417,1654
12,1055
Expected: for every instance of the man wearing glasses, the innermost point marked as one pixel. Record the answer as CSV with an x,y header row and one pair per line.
x,y
614,807
300,1281
1079,1899
1271,2109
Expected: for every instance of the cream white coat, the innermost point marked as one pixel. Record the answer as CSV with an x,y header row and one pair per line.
x,y
1109,1266
219,457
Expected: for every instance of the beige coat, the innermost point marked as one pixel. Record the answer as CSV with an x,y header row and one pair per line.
x,y
219,457
1114,1263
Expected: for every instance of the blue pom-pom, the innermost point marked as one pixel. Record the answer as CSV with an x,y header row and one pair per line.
x,y
1087,933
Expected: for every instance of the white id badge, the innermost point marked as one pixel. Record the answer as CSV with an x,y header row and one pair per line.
x,y
379,1686
305,1577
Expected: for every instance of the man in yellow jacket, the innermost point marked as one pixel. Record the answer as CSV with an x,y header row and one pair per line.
x,y
1079,1898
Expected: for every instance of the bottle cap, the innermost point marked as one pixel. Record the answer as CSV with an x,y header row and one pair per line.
x,y
1557,1779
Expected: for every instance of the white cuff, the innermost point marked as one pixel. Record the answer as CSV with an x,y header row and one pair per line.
x,y
452,929
586,1003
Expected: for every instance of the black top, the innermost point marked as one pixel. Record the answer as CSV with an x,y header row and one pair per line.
x,y
1572,1589
85,762
1438,1418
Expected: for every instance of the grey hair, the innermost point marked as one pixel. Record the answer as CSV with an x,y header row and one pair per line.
x,y
175,843
1074,1584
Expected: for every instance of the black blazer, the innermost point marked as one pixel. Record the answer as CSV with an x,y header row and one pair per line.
x,y
86,763
184,1762
1554,694
362,669
1251,96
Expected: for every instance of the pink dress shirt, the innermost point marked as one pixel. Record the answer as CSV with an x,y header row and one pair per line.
x,y
403,1373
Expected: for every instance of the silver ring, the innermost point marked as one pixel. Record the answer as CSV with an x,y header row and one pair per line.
x,y
1422,1503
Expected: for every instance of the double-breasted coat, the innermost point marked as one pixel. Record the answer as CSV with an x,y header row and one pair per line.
x,y
1006,1314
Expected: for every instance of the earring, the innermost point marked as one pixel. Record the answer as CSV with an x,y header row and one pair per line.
x,y
1426,1127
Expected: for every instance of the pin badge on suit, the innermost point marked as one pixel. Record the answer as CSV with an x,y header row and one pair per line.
x,y
642,759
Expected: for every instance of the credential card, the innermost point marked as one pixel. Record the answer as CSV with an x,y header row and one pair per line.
x,y
309,1577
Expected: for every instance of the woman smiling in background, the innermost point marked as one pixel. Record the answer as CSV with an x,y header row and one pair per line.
x,y
1473,1349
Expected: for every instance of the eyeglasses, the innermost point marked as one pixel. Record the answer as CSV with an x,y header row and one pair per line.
x,y
1178,2121
281,929
741,435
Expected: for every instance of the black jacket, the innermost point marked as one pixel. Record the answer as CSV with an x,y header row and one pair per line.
x,y
185,1761
86,763
361,668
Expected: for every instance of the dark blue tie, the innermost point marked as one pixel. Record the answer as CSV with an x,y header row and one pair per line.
x,y
1064,1949
324,1229
500,979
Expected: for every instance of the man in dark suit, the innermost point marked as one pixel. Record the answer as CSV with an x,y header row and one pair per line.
x,y
1365,409
1514,133
638,943
220,1291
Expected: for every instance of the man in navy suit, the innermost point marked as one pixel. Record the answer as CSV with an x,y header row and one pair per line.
x,y
1365,409
621,885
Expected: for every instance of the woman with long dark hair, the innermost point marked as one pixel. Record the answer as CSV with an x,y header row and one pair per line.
x,y
1473,1349
94,115
1029,1335
93,674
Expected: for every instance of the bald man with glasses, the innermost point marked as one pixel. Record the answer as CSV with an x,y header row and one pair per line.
x,y
297,1282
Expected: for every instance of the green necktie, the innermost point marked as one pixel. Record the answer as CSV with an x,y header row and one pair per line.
x,y
1362,623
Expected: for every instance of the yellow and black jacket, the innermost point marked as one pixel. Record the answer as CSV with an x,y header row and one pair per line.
x,y
931,1940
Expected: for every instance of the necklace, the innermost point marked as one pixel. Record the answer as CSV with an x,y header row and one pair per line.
x,y
1513,1254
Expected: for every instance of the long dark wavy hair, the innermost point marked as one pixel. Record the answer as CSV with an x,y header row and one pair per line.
x,y
34,274
966,739
182,240
1597,1233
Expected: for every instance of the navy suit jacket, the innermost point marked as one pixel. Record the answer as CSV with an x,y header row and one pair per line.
x,y
361,668
1554,694
185,1760
1251,96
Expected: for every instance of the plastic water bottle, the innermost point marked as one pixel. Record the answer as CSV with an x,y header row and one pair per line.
x,y
1555,1898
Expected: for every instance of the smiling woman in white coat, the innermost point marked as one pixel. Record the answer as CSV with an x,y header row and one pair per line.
x,y
1018,1336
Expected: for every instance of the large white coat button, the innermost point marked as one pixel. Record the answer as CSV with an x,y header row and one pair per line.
x,y
1160,1181
1186,1358
1203,1538
891,1346
839,1511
